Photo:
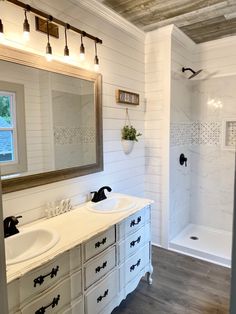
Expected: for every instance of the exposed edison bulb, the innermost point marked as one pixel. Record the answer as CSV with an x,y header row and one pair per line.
x,y
26,28
26,35
96,67
67,58
49,57
1,37
82,56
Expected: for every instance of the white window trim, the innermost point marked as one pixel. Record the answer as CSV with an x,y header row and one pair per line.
x,y
19,164
13,128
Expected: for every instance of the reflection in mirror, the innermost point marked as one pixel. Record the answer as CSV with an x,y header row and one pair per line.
x,y
59,120
49,122
74,127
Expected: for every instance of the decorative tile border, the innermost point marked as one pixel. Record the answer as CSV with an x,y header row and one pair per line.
x,y
206,133
67,135
196,133
230,134
180,134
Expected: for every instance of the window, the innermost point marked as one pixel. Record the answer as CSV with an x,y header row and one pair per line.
x,y
8,144
12,129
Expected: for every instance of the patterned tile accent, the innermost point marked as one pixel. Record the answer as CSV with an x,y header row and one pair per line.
x,y
230,134
206,133
196,133
68,135
180,134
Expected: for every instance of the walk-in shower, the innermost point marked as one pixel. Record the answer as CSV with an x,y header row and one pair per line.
x,y
203,129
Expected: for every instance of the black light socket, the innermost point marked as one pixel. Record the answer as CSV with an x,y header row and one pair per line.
x,y
96,60
1,27
26,26
66,51
48,49
82,49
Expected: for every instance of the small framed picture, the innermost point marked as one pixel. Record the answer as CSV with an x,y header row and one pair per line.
x,y
125,97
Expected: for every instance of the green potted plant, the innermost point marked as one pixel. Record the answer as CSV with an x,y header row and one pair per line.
x,y
129,136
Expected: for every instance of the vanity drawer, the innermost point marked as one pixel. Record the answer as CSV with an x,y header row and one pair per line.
x,y
44,277
50,302
100,295
99,243
134,222
131,268
100,266
134,242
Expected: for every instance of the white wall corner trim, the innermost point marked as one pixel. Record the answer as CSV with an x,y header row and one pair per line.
x,y
182,38
165,30
102,11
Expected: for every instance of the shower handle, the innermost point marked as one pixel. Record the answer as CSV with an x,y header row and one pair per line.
x,y
183,160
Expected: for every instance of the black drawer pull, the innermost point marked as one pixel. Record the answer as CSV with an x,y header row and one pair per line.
x,y
97,270
97,244
39,280
133,266
54,303
99,299
133,222
132,243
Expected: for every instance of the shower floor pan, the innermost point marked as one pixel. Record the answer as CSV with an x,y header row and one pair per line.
x,y
205,243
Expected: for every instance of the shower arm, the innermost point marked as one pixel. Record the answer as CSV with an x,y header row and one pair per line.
x,y
188,69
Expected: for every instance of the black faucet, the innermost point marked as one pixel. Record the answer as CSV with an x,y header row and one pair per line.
x,y
9,224
100,195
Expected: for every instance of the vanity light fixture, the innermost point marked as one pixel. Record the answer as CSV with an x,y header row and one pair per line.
x,y
48,47
66,49
51,29
26,26
96,60
82,49
1,30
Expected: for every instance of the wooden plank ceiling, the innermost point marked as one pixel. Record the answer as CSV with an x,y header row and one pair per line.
x,y
201,20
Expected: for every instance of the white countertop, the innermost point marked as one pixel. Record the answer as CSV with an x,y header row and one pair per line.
x,y
74,227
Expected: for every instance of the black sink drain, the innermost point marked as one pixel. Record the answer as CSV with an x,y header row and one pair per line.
x,y
194,238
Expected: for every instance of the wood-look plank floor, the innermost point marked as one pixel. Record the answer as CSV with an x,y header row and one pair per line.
x,y
181,285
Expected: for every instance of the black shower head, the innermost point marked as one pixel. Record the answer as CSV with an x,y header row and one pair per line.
x,y
195,73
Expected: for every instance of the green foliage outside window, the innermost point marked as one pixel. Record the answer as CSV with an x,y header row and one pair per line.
x,y
5,111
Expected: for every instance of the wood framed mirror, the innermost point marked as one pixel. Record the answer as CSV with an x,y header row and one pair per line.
x,y
50,121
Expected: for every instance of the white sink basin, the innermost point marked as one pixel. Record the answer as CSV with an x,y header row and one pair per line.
x,y
28,244
112,204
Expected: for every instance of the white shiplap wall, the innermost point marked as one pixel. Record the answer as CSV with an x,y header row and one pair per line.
x,y
157,79
217,58
122,66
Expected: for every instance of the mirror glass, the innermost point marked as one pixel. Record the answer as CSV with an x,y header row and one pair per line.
x,y
48,122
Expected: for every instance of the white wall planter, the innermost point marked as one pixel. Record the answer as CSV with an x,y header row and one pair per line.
x,y
127,146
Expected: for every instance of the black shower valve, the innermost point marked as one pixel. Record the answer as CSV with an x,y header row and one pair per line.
x,y
183,160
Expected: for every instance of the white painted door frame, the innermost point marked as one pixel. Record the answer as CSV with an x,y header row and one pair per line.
x,y
3,285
